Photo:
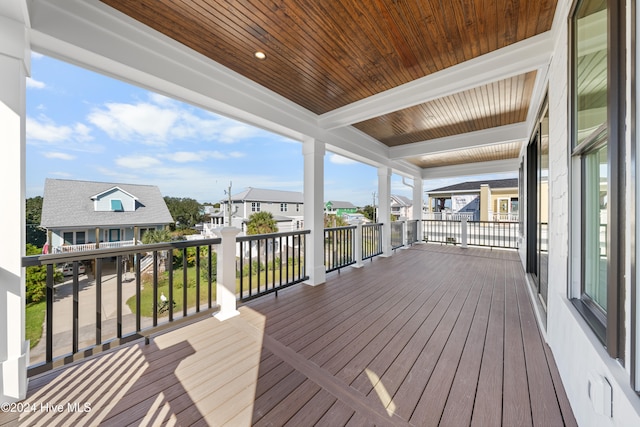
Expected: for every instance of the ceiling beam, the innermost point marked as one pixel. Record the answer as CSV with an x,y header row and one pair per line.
x,y
498,135
518,58
468,169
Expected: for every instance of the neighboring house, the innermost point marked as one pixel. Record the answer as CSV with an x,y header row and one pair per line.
x,y
489,200
401,207
77,214
286,207
334,207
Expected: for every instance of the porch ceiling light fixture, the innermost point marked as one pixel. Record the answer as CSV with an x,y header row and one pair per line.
x,y
260,55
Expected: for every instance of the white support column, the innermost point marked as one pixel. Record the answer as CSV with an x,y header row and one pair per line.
x,y
313,152
358,243
418,201
463,231
384,208
14,349
226,273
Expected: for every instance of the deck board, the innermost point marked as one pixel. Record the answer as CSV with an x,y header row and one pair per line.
x,y
435,335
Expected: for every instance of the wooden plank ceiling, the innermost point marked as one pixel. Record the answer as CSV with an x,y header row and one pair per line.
x,y
323,55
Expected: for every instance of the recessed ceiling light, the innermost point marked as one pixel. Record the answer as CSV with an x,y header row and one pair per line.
x,y
260,55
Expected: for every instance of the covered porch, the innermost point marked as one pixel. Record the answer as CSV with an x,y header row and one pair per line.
x,y
432,335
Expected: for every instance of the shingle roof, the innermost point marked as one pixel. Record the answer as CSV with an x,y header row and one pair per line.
x,y
67,203
262,195
475,185
401,200
336,204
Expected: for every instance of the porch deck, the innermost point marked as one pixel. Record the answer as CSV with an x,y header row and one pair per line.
x,y
435,335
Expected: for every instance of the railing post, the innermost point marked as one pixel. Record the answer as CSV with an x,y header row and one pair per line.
x,y
463,231
357,241
405,231
226,277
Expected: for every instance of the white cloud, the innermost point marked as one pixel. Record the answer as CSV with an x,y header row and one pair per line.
x,y
36,55
58,155
137,162
126,122
340,160
35,84
43,131
62,174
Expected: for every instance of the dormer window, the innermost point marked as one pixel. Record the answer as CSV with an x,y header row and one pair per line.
x,y
116,205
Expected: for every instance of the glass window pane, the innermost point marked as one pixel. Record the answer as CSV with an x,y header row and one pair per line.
x,y
595,202
590,67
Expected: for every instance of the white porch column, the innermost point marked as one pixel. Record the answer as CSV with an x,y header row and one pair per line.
x,y
14,67
418,201
313,152
226,273
384,208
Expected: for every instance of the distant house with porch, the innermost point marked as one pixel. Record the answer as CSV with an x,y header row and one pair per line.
x,y
339,208
488,200
287,207
79,214
401,207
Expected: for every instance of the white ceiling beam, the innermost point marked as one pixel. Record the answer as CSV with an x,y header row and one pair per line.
x,y
480,168
513,60
499,135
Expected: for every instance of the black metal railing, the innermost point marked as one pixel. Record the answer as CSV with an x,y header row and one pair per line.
x,y
339,247
270,262
438,231
494,234
396,234
371,240
412,231
110,298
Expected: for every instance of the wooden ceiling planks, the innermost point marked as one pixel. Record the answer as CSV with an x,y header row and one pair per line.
x,y
324,55
496,104
469,155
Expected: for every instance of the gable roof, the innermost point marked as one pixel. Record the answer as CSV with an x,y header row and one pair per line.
x,y
401,200
68,203
108,190
263,195
475,185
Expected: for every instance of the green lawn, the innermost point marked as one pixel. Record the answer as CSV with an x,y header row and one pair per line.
x,y
35,321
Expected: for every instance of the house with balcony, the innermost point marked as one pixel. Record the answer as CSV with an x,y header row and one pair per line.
x,y
287,207
85,215
487,200
401,207
545,334
339,208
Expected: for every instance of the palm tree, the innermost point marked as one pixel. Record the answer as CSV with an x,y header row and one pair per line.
x,y
262,223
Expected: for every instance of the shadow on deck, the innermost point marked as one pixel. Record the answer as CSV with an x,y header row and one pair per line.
x,y
434,335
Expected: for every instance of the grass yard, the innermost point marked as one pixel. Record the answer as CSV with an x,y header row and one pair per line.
x,y
34,322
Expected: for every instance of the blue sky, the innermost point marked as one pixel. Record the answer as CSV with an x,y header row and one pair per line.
x,y
86,126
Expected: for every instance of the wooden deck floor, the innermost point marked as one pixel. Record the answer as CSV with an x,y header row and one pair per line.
x,y
435,335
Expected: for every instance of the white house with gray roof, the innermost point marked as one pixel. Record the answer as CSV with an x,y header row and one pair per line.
x,y
287,207
77,214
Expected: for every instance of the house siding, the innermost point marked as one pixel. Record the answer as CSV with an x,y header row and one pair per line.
x,y
578,353
103,203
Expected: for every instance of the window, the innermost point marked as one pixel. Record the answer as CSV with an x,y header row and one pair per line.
x,y
283,207
80,238
598,82
116,205
67,237
255,206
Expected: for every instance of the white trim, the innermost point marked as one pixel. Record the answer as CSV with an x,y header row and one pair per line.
x,y
518,58
495,166
518,132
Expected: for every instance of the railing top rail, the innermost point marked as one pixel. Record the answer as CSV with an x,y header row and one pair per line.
x,y
270,235
35,260
374,224
344,227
